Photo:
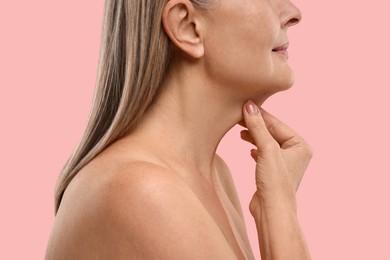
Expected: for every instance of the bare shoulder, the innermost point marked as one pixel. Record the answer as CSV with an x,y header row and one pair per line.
x,y
141,210
228,183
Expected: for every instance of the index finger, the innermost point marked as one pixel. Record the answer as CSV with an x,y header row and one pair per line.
x,y
282,133
257,127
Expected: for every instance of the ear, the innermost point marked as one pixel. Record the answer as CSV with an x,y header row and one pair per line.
x,y
182,26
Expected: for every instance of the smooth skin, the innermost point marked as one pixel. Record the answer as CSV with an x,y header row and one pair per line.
x,y
150,195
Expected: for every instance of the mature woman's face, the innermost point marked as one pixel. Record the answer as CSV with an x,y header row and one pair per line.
x,y
240,45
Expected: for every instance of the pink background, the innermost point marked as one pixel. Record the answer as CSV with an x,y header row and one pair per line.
x,y
340,104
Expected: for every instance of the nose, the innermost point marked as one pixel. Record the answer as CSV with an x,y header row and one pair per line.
x,y
290,15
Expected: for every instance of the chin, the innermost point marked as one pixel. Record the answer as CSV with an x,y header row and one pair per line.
x,y
282,83
266,90
277,84
286,85
259,86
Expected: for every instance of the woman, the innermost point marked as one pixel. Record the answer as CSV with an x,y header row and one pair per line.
x,y
145,182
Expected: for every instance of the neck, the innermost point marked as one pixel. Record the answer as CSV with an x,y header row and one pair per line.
x,y
189,119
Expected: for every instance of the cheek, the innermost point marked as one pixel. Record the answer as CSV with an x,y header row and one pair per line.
x,y
239,54
245,75
243,61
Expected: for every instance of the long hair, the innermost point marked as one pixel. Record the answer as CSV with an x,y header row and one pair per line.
x,y
134,58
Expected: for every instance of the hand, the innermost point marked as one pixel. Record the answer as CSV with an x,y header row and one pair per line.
x,y
281,156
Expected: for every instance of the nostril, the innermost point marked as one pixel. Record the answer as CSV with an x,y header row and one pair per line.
x,y
293,21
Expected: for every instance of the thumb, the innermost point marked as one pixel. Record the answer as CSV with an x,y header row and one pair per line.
x,y
257,127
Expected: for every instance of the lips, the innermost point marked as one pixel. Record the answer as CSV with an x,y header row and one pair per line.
x,y
281,48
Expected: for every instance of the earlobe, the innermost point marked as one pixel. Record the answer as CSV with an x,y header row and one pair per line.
x,y
183,28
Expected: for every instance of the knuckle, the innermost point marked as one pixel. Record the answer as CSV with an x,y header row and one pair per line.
x,y
307,151
274,126
271,146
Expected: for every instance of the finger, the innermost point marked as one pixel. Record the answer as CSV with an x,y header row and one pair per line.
x,y
257,127
246,136
282,133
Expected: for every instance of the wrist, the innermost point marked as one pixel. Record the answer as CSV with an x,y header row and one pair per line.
x,y
272,203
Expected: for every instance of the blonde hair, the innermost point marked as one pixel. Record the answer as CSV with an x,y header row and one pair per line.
x,y
134,58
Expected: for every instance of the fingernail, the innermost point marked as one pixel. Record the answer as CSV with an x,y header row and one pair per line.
x,y
251,107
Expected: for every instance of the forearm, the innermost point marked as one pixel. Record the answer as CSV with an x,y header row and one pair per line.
x,y
280,236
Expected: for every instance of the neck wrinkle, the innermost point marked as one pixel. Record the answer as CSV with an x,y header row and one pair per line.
x,y
189,119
